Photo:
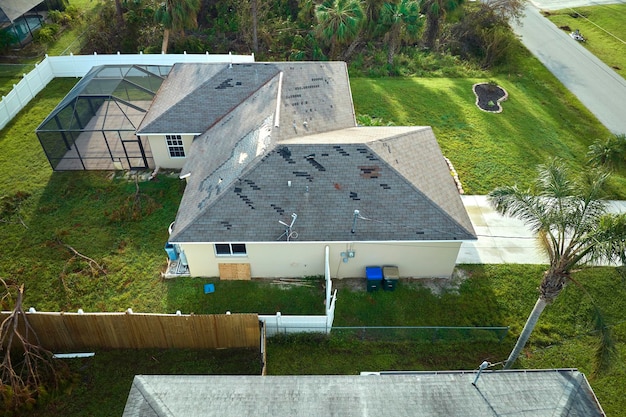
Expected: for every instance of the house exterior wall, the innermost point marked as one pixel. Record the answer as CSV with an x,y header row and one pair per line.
x,y
299,259
161,155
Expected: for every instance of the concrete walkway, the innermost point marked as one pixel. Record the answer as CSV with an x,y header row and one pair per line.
x,y
504,239
596,85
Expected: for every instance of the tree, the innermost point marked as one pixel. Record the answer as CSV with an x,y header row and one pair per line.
x,y
176,16
483,33
570,219
403,21
339,23
119,12
435,11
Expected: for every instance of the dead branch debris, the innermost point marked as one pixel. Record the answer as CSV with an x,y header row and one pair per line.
x,y
10,208
94,270
22,380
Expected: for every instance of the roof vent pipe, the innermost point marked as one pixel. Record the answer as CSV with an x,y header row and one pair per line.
x,y
356,216
481,368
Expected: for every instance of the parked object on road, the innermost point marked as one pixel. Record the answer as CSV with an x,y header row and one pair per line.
x,y
576,35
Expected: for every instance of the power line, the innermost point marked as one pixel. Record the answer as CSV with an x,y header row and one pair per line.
x,y
598,26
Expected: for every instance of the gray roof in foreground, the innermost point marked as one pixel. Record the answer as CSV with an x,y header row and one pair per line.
x,y
540,393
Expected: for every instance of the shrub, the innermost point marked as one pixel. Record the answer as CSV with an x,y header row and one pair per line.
x,y
609,153
47,34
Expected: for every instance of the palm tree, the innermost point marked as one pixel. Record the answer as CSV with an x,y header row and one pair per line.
x,y
403,20
177,15
570,219
339,22
435,11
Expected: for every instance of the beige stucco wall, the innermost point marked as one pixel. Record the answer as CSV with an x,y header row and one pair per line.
x,y
162,157
298,259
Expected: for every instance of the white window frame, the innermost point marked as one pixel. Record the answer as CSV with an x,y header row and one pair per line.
x,y
175,145
231,251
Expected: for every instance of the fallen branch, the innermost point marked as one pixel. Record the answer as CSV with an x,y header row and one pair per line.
x,y
35,370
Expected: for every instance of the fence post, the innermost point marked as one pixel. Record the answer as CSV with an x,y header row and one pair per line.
x,y
278,322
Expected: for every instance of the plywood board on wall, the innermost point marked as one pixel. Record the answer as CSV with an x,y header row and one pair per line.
x,y
234,271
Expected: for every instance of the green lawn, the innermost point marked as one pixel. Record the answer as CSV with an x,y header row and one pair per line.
x,y
540,120
604,29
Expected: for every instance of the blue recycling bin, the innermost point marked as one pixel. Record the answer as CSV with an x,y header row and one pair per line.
x,y
171,252
374,276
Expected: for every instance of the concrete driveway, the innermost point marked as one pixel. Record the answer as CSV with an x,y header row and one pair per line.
x,y
502,239
595,84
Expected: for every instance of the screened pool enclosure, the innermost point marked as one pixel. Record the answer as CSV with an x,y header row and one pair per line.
x,y
93,127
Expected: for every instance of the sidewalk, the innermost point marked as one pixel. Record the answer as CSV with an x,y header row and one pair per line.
x,y
504,239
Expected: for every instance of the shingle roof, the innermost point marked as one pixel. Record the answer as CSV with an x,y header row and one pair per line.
x,y
426,394
196,96
315,96
264,126
395,176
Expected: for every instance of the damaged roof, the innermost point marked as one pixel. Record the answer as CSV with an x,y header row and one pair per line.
x,y
276,139
396,177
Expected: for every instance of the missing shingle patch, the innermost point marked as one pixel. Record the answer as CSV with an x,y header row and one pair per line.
x,y
354,196
252,185
225,84
371,171
385,186
341,151
311,160
278,209
286,154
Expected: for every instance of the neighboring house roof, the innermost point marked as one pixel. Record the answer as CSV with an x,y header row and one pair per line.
x,y
538,393
12,9
395,176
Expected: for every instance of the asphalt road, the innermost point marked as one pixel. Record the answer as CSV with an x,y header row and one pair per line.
x,y
595,84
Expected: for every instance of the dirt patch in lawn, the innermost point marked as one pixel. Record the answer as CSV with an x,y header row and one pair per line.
x,y
437,286
489,96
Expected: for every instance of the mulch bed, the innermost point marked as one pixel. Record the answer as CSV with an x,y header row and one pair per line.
x,y
489,96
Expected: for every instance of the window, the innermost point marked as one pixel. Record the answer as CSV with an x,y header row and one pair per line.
x,y
175,146
230,249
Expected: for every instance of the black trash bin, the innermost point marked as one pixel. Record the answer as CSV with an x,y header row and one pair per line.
x,y
374,275
390,277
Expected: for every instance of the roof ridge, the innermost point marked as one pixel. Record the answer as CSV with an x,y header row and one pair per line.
x,y
155,403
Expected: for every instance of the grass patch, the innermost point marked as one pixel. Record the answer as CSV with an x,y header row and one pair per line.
x,y
259,296
604,29
101,384
541,119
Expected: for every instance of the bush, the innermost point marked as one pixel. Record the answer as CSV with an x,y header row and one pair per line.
x,y
609,153
6,40
47,34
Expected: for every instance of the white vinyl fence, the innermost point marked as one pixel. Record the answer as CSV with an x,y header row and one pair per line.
x,y
277,324
79,65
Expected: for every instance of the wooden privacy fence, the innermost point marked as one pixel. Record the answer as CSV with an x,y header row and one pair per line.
x,y
77,331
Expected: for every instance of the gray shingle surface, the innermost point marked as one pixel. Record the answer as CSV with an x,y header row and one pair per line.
x,y
265,126
195,96
331,175
546,393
